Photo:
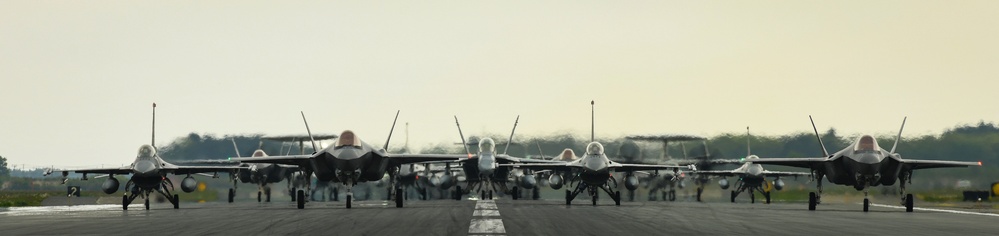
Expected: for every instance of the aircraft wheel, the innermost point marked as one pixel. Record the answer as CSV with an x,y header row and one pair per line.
x,y
292,193
908,202
349,200
482,195
537,193
267,192
665,195
490,195
617,198
568,200
699,191
147,203
516,193
398,198
259,199
752,197
733,195
176,201
457,193
767,195
867,204
672,195
594,199
300,196
232,194
124,202
336,195
811,201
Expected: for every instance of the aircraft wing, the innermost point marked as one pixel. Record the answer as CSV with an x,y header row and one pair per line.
x,y
725,173
708,161
181,170
784,173
207,162
556,166
298,160
909,164
124,170
402,159
806,162
637,167
510,159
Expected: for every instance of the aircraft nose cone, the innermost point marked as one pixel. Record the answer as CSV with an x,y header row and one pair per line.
x,y
869,158
595,165
145,168
486,170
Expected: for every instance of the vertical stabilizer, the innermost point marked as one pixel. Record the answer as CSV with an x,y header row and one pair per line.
x,y
509,141
390,130
153,141
314,147
899,137
234,147
463,143
824,151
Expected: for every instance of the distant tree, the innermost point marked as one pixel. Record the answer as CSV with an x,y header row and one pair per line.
x,y
4,171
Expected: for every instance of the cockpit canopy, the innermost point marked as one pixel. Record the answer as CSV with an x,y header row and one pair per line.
x,y
347,138
259,153
752,157
147,151
487,145
594,148
568,155
866,143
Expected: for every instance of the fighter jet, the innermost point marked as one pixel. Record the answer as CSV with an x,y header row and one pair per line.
x,y
148,174
555,179
349,161
593,171
482,171
264,174
751,177
667,183
863,164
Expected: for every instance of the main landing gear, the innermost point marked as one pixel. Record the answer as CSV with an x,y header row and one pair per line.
x,y
570,195
814,198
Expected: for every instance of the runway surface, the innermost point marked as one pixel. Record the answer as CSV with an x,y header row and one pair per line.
x,y
499,217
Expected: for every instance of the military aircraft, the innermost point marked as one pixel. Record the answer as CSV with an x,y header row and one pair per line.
x,y
264,174
863,164
349,161
593,170
751,177
554,179
148,174
482,171
667,183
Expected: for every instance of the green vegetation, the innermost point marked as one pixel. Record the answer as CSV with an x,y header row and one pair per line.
x,y
9,199
199,196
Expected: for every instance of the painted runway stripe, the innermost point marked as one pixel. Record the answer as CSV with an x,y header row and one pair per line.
x,y
938,210
486,219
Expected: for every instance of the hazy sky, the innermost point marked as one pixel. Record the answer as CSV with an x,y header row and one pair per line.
x,y
77,77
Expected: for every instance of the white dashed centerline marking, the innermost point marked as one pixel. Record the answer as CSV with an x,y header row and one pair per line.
x,y
486,219
937,210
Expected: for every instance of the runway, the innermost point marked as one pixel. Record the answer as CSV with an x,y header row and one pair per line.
x,y
499,217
